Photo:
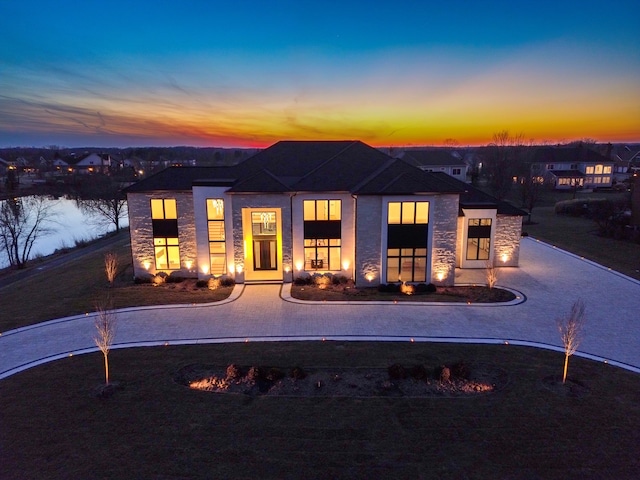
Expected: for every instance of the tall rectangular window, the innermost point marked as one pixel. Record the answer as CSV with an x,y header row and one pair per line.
x,y
479,239
215,228
322,234
164,220
407,235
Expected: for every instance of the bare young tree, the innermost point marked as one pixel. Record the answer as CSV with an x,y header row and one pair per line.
x,y
111,266
106,331
22,221
502,162
491,274
570,327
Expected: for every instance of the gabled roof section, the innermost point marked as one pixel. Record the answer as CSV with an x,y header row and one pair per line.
x,y
400,178
567,154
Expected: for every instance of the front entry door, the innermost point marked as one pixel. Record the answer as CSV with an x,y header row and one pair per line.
x,y
264,254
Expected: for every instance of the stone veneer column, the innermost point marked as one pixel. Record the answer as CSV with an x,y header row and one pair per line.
x,y
368,241
443,223
507,241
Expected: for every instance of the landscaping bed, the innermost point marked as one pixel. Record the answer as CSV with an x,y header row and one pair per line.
x,y
457,294
395,381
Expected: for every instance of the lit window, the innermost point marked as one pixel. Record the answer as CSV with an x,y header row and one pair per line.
x,y
598,169
606,169
215,228
164,220
479,239
322,234
407,235
589,170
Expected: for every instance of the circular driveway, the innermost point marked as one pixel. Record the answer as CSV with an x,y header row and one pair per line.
x,y
550,279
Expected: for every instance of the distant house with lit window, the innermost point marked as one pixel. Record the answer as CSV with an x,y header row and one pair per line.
x,y
570,167
437,160
304,207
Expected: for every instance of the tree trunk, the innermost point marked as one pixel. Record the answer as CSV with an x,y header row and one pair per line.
x,y
106,369
566,365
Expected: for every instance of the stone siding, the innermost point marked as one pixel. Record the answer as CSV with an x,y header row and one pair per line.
x,y
507,241
443,223
368,241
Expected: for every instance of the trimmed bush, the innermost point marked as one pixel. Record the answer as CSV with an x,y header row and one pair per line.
x,y
339,280
297,373
443,373
213,283
460,370
234,372
201,283
419,372
396,372
275,374
255,374
174,279
227,282
431,288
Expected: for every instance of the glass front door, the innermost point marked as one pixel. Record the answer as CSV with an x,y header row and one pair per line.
x,y
263,226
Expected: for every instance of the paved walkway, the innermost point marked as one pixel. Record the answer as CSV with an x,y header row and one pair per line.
x,y
549,279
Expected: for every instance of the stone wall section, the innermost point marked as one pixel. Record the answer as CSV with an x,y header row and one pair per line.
x,y
443,223
141,230
368,263
506,250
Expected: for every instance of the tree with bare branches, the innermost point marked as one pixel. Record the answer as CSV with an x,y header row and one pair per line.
x,y
22,221
103,200
491,274
111,266
106,331
571,327
502,162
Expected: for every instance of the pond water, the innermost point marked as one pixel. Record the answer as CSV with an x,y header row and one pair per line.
x,y
69,225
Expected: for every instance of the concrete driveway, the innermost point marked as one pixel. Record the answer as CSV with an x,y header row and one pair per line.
x,y
549,279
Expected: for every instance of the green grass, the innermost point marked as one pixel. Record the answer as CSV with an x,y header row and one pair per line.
x,y
54,427
79,284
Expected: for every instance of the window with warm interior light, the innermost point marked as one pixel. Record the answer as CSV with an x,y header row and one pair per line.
x,y
164,219
322,234
264,230
407,236
215,227
478,239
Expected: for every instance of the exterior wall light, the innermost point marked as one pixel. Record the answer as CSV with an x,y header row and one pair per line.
x,y
346,264
205,269
370,277
299,266
188,264
232,268
504,258
239,268
147,265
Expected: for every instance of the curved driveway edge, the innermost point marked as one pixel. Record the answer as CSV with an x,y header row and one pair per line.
x,y
550,278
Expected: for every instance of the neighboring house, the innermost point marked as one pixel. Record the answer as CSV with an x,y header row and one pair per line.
x,y
569,167
85,164
299,208
437,160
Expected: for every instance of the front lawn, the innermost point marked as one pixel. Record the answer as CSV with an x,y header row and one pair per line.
x,y
53,425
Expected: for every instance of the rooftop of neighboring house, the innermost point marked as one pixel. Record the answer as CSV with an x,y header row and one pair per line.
x,y
432,157
567,154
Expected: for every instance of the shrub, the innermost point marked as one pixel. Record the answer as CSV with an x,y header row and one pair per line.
x,y
396,372
297,373
303,280
382,288
227,282
158,279
443,373
431,288
255,374
339,280
419,372
275,374
460,370
213,283
142,280
322,281
420,288
407,288
201,283
234,372
174,279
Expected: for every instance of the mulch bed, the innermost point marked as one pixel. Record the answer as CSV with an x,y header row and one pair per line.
x,y
342,382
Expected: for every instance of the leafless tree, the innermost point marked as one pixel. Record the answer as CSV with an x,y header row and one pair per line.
x,y
104,201
22,221
491,274
501,163
111,266
106,330
571,327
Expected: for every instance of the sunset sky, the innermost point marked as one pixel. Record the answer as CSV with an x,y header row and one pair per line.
x,y
249,73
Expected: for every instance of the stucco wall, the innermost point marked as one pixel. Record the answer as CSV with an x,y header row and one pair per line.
x,y
141,230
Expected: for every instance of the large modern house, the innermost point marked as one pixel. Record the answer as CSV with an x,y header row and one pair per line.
x,y
303,207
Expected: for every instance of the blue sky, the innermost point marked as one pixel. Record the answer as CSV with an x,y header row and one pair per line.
x,y
248,73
